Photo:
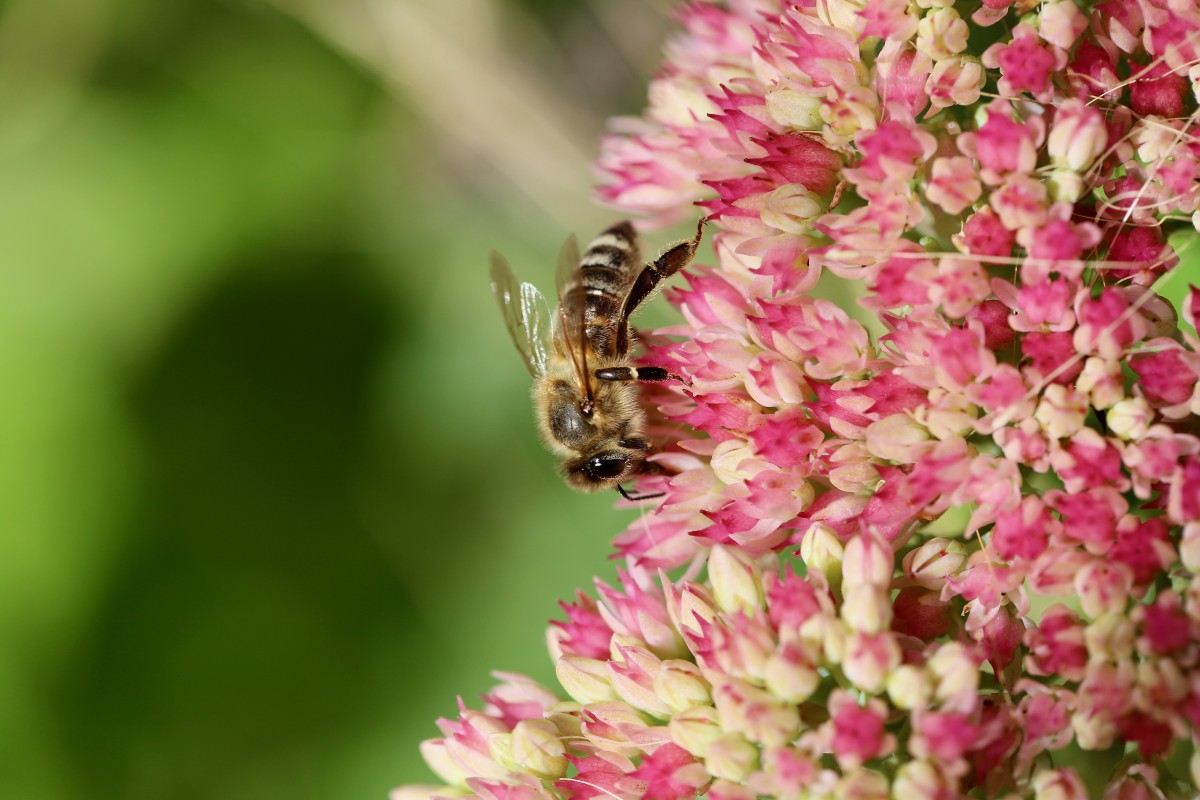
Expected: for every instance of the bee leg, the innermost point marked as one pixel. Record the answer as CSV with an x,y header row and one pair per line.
x,y
636,497
637,374
666,265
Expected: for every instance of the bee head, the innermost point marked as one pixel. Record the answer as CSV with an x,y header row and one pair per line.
x,y
602,470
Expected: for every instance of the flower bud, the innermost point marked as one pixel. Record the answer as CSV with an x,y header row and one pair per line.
x,y
1060,23
937,559
443,765
867,609
790,675
862,784
955,677
896,437
1189,547
538,748
695,729
736,579
500,750
1078,136
867,561
734,461
919,780
941,34
908,687
1058,784
731,757
955,81
793,109
821,550
632,674
1103,588
680,685
869,660
586,680
1061,412
791,208
756,714
1130,418
1110,637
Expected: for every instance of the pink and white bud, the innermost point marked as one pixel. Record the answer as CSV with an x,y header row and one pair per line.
x,y
680,685
1140,782
955,81
1060,23
1189,547
898,438
921,780
695,729
1110,637
586,680
942,33
731,757
953,183
909,687
820,549
870,659
1130,418
955,674
1062,411
632,674
736,579
862,784
1058,784
756,714
868,561
1103,381
538,749
937,559
1093,731
791,674
1103,588
735,461
438,758
500,751
867,609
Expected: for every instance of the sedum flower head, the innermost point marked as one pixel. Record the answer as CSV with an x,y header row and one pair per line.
x,y
914,544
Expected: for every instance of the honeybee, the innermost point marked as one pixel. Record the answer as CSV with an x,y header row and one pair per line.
x,y
585,392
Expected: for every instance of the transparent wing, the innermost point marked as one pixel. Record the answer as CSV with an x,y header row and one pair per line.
x,y
526,314
569,283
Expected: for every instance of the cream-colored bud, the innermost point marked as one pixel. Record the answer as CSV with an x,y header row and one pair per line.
x,y
586,680
1066,186
1062,411
821,550
565,716
1060,23
791,677
955,676
500,749
443,765
937,559
795,110
736,579
695,729
896,437
734,461
942,33
1094,731
1130,418
1110,637
862,784
537,748
1102,380
918,780
909,687
1189,547
867,609
870,659
680,685
791,208
731,757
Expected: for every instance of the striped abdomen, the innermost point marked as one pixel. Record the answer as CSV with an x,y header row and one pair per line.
x,y
606,273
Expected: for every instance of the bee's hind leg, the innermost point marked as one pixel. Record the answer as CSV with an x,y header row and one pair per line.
x,y
652,374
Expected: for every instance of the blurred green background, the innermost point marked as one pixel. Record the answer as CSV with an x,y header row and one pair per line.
x,y
271,495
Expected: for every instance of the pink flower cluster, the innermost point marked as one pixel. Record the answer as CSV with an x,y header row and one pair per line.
x,y
917,547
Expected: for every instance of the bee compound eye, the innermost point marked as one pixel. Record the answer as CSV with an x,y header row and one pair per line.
x,y
606,467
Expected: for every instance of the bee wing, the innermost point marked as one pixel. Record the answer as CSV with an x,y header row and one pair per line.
x,y
570,311
526,314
